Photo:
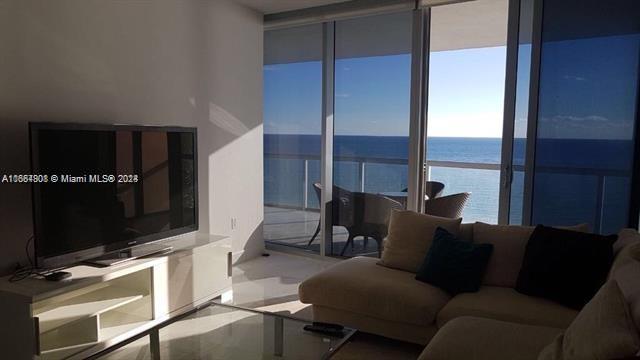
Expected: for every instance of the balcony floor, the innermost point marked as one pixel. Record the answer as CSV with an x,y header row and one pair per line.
x,y
295,228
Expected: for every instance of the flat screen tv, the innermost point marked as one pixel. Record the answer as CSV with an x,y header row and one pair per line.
x,y
104,188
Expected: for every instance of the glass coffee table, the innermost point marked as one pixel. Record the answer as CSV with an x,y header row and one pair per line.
x,y
220,331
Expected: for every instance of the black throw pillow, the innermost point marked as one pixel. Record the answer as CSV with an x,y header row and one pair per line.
x,y
565,266
454,265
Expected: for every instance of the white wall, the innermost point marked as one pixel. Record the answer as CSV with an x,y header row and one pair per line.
x,y
187,63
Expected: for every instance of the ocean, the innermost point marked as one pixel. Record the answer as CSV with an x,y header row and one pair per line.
x,y
572,171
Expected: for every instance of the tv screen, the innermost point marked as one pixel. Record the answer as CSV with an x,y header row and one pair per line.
x,y
107,187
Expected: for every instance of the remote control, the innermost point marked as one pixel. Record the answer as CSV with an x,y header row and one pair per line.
x,y
330,331
328,325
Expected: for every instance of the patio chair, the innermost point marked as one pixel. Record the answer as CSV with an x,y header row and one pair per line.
x,y
370,218
432,189
450,206
342,209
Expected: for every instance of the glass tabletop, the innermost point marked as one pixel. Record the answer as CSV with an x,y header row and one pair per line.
x,y
224,332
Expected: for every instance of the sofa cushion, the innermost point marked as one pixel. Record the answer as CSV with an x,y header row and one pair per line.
x,y
409,238
625,237
509,243
626,271
506,304
466,232
628,239
475,338
565,266
454,265
602,330
361,286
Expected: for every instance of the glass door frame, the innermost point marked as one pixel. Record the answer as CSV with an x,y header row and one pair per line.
x,y
421,49
419,108
532,122
511,78
326,155
508,126
417,163
417,122
507,168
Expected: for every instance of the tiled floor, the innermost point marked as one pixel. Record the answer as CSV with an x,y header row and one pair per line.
x,y
271,283
265,283
296,227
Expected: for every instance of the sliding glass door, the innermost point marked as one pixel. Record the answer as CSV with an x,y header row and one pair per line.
x,y
530,107
517,102
587,111
371,126
465,104
575,113
292,127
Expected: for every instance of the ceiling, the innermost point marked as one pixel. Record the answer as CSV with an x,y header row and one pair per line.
x,y
469,25
275,6
474,24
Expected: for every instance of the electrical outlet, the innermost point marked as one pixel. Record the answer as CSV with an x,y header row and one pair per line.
x,y
234,223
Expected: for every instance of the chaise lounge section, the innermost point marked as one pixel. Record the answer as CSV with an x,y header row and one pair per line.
x,y
597,332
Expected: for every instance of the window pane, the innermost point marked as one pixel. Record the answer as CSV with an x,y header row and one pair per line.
x,y
292,122
523,80
587,110
466,102
371,124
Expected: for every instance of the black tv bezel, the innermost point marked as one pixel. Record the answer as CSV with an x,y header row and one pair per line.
x,y
74,257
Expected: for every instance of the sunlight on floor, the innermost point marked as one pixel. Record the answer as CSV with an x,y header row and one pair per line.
x,y
265,283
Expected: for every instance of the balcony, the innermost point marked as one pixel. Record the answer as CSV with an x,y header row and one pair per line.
x,y
292,213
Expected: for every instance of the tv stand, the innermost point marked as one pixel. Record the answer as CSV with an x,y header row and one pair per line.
x,y
99,307
120,256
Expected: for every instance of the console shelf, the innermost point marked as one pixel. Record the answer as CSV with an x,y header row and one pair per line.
x,y
100,307
86,306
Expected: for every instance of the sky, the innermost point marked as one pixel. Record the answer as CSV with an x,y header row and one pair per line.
x,y
372,95
588,90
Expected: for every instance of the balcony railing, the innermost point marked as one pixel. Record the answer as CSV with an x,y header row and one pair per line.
x,y
601,176
362,163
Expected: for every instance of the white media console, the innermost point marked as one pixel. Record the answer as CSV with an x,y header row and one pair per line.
x,y
99,307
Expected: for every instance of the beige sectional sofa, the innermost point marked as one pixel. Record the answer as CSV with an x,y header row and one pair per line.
x,y
372,298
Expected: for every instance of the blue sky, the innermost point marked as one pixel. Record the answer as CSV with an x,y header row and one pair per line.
x,y
588,88
466,90
372,95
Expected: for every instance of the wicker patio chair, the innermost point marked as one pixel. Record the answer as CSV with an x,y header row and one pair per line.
x,y
432,189
370,218
342,209
450,206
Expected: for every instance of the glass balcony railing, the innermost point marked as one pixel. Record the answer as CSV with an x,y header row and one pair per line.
x,y
378,175
387,175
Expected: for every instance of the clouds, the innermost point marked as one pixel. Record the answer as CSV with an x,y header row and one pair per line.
x,y
585,127
576,78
